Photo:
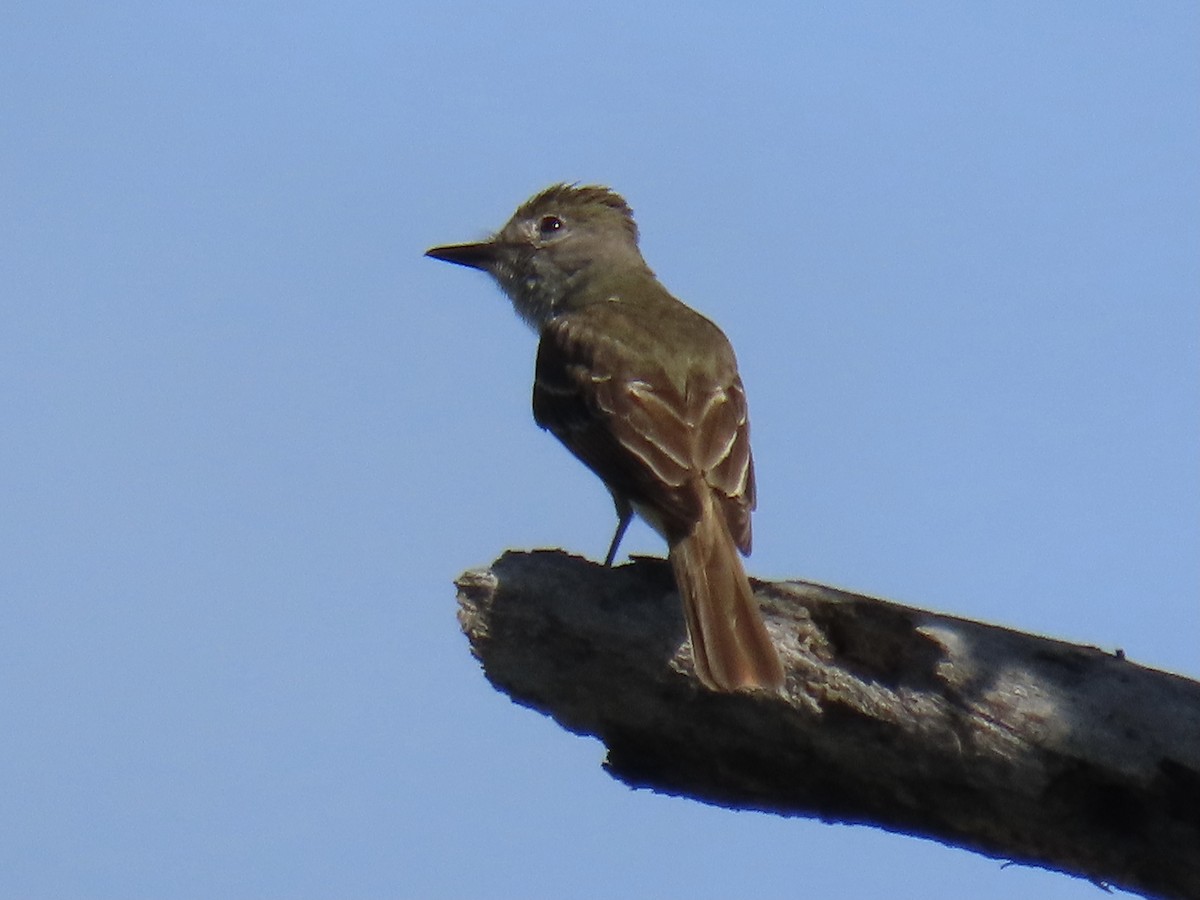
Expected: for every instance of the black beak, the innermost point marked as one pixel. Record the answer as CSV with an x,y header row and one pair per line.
x,y
476,256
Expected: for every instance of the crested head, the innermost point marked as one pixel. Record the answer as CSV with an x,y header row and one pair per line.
x,y
557,244
589,201
561,242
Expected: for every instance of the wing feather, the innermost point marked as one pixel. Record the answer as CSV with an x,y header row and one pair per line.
x,y
652,440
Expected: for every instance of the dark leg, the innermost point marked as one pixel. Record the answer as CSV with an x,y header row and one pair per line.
x,y
624,515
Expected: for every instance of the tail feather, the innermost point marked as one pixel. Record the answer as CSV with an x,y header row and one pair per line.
x,y
730,643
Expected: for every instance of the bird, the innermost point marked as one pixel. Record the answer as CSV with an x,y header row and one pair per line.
x,y
645,392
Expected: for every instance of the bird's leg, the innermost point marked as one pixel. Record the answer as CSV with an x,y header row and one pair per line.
x,y
624,515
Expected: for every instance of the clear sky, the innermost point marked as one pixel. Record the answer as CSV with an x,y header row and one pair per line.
x,y
250,435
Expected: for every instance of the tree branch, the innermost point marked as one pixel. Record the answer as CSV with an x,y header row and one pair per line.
x,y
1015,746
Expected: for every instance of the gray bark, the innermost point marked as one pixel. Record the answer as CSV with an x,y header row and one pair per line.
x,y
1013,745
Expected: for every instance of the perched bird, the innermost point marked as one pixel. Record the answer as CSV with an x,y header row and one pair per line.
x,y
646,393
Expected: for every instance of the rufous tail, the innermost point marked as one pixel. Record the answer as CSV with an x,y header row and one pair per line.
x,y
730,643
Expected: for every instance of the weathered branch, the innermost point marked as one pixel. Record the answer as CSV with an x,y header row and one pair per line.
x,y
1016,746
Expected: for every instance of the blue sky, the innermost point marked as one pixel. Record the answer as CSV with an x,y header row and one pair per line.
x,y
251,435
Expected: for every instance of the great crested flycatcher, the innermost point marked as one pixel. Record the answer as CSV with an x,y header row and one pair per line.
x,y
645,392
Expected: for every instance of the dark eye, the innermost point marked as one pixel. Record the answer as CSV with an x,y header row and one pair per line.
x,y
549,226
